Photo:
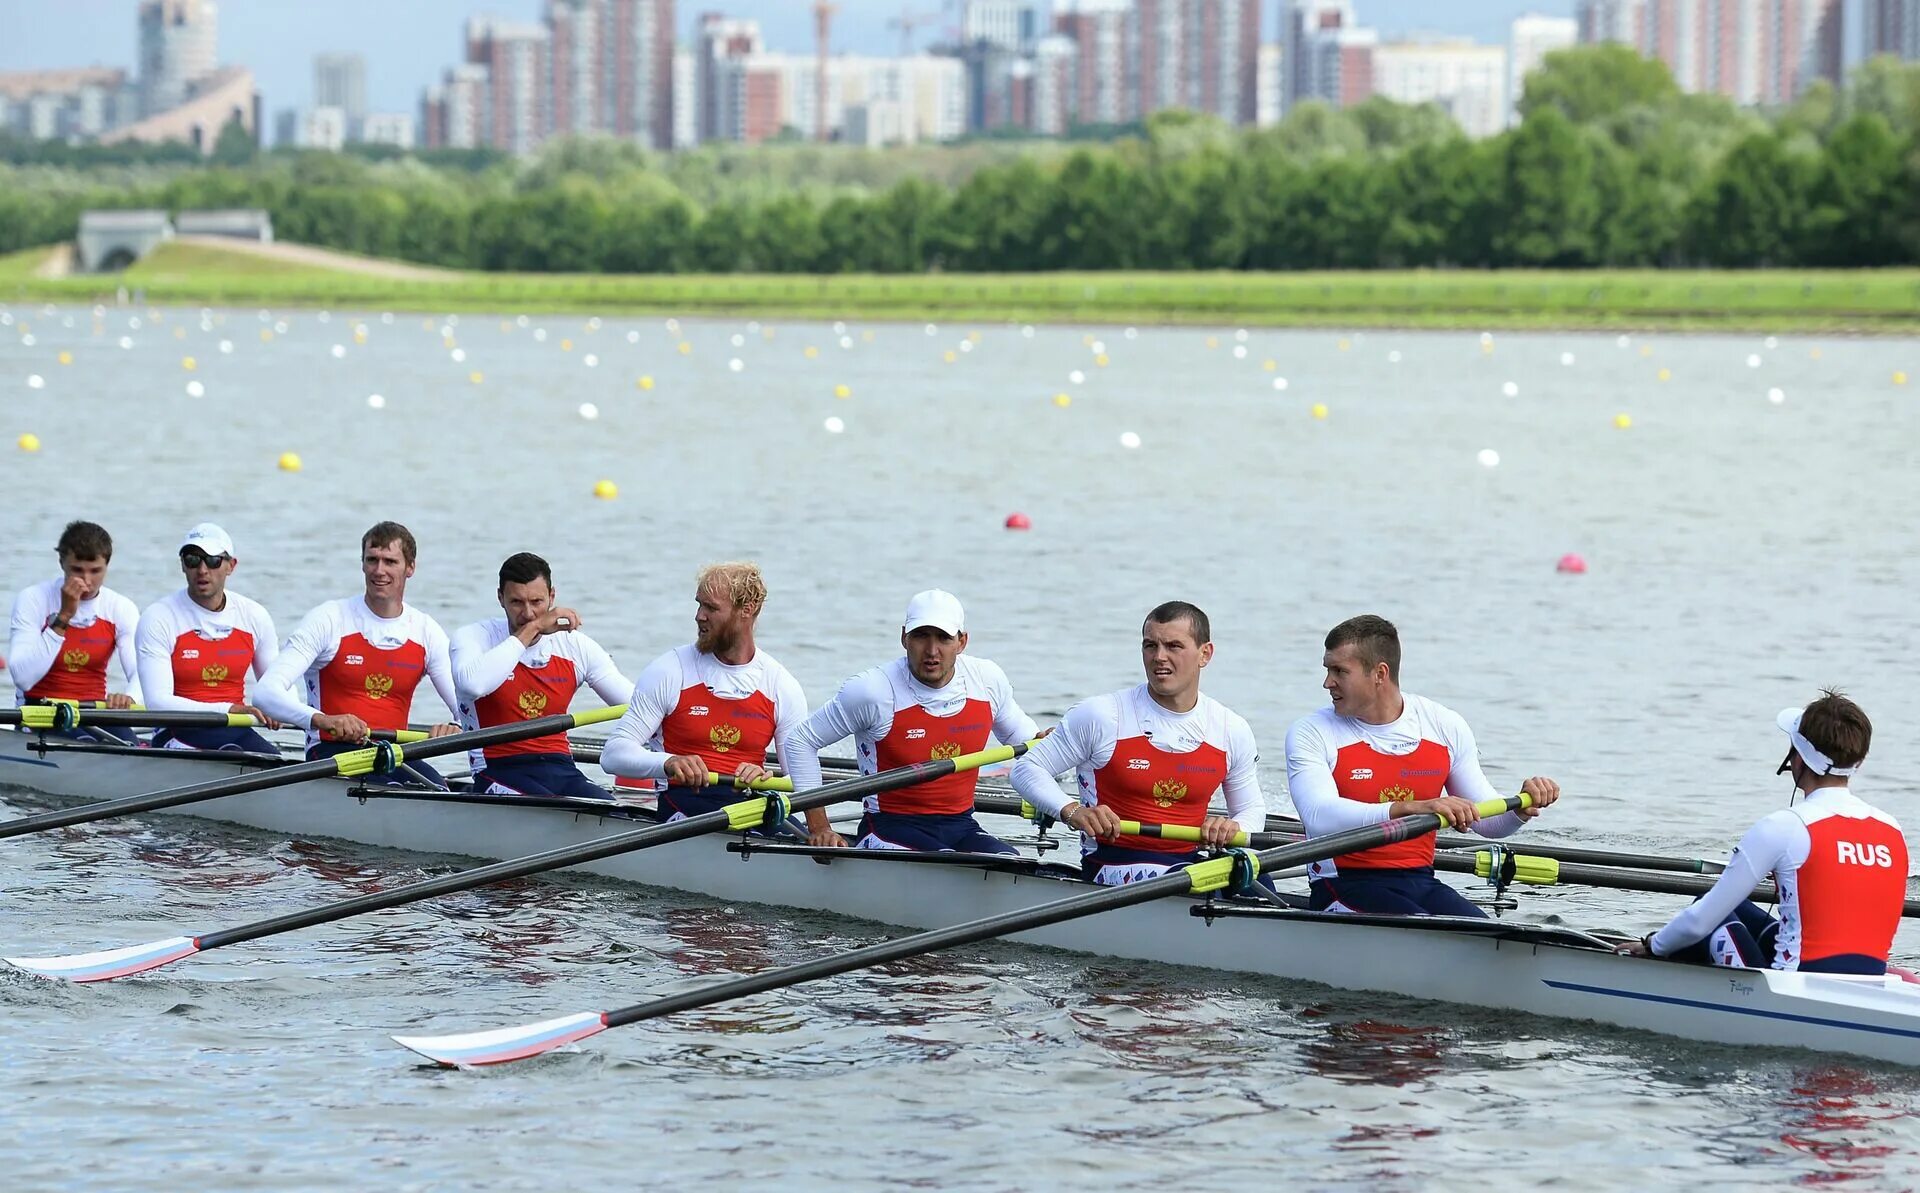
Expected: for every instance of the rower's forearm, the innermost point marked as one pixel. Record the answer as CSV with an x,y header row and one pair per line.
x,y
629,759
1038,788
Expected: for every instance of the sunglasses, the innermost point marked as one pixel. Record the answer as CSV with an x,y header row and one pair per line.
x,y
197,559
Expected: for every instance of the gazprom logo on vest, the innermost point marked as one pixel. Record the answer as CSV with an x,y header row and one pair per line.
x,y
1863,855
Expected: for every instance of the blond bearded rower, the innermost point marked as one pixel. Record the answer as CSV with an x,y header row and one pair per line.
x,y
65,632
934,702
196,647
526,665
352,665
1156,753
1377,753
712,706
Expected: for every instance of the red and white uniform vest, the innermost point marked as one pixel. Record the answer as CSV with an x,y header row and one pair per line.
x,y
191,658
687,702
70,664
895,720
1343,773
1842,869
1149,765
342,659
500,682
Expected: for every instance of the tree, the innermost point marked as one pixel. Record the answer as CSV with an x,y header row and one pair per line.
x,y
236,145
1589,83
1854,213
1549,207
1753,209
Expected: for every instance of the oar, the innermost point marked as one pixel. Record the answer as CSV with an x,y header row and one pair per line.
x,y
353,763
1544,871
61,715
1236,871
745,814
1565,853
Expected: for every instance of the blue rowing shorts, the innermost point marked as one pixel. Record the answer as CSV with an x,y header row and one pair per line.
x,y
1406,891
957,833
228,737
1110,865
537,774
679,803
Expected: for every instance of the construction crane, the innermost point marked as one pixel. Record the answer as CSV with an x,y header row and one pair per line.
x,y
909,22
823,39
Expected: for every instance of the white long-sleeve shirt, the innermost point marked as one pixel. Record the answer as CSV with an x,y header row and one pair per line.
x,y
485,656
174,627
1086,741
293,689
667,707
34,648
863,709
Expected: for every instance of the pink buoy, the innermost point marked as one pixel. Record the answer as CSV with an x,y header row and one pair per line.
x,y
1571,564
1019,521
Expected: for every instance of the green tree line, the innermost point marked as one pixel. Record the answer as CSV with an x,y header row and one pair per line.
x,y
1610,166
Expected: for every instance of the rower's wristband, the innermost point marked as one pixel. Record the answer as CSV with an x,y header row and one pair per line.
x,y
1067,820
58,622
1646,942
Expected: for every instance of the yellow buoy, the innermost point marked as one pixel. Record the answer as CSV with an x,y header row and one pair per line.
x,y
1813,353
289,462
686,349
1269,364
644,383
1899,378
1101,360
476,376
1665,374
66,358
266,335
1646,350
189,364
842,391
950,356
1319,410
29,442
1062,401
1623,421
1213,342
179,333
1344,345
566,345
506,325
811,352
605,490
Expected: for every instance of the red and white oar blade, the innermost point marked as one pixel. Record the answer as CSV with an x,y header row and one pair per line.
x,y
111,963
506,1043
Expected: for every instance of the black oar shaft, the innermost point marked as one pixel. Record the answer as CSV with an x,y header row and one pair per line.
x,y
1629,880
1021,920
567,855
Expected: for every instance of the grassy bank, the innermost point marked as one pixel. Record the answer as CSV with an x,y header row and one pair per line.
x,y
1881,301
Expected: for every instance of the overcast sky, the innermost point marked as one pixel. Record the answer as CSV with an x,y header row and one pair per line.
x,y
407,43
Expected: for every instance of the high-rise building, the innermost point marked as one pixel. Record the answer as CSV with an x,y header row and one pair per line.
x,y
1326,54
723,44
1533,37
457,113
1269,106
685,109
1891,27
1623,21
515,61
1098,30
388,128
1751,51
576,37
1466,79
1008,24
1053,111
179,48
340,81
639,82
1224,64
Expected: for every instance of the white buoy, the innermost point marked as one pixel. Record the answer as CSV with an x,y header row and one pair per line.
x,y
386,317
459,355
633,337
1129,440
36,381
1027,332
376,402
1239,352
834,424
1566,358
1240,336
839,327
1489,458
1132,333
1623,342
1753,360
589,411
737,340
339,351
226,347
1098,347
1279,383
846,341
736,364
1077,377
1776,395
590,360
1511,389
126,342
1393,357
932,330
539,335
196,390
1772,342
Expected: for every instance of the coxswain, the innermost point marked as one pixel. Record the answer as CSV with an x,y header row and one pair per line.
x,y
1376,753
1155,753
1840,865
196,647
935,701
65,632
351,666
713,706
525,665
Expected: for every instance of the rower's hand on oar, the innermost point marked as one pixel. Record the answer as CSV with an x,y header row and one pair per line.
x,y
747,774
443,729
1218,832
1092,820
820,833
342,726
119,700
1458,813
687,770
1543,790
1636,948
259,718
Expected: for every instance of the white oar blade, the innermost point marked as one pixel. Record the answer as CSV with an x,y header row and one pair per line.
x,y
505,1043
111,963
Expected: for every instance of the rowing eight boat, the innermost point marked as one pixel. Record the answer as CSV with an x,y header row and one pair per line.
x,y
1519,967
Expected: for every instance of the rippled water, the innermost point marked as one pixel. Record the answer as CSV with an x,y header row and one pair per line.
x,y
1741,553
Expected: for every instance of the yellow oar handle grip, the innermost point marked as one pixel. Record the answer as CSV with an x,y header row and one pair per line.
x,y
1533,871
1498,807
1172,832
770,783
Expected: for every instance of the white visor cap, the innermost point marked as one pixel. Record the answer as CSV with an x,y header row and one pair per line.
x,y
938,608
1818,763
208,539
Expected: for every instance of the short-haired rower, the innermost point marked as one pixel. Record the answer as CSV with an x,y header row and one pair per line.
x,y
525,665
714,705
1155,753
1375,753
197,646
1840,865
65,632
935,701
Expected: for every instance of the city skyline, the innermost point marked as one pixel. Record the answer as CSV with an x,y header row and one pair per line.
x,y
407,47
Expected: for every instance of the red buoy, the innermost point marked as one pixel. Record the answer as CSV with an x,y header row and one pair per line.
x,y
1571,564
1019,521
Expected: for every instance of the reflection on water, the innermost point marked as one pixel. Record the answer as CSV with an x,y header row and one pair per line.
x,y
1833,1113
1374,1052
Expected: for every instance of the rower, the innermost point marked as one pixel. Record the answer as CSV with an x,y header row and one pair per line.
x,y
358,660
1156,753
936,701
65,631
526,665
196,647
712,706
1839,862
1376,753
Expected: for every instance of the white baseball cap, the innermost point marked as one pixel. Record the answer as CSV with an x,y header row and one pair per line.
x,y
938,608
1817,762
209,540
